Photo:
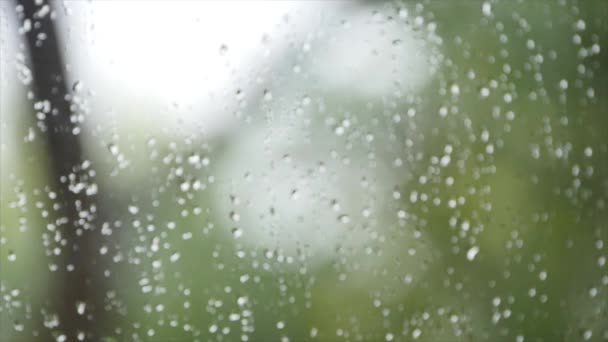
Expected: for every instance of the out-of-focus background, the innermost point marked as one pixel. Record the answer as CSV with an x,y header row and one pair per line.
x,y
306,170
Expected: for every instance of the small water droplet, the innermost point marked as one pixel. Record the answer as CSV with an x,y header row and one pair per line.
x,y
174,257
472,253
12,256
587,335
234,216
295,194
486,9
237,232
267,95
344,218
194,159
306,100
77,87
416,333
81,307
242,300
18,326
184,186
339,130
335,205
240,94
133,209
484,92
223,49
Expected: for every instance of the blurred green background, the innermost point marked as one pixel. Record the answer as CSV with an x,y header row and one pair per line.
x,y
470,206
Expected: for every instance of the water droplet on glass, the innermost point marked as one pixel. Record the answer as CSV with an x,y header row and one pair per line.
x,y
416,333
242,300
184,186
234,216
237,232
77,87
240,94
18,326
403,13
472,253
81,307
113,149
267,95
174,257
133,209
223,49
486,9
295,194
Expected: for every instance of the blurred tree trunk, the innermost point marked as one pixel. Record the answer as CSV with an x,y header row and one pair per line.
x,y
77,294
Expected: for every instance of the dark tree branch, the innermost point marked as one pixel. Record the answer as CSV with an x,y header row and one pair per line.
x,y
77,294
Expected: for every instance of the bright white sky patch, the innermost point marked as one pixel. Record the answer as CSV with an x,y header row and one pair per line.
x,y
172,48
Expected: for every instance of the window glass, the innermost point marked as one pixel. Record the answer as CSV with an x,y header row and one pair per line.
x,y
303,170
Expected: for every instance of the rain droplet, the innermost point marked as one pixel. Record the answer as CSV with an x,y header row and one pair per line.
x,y
335,205
113,149
242,301
184,186
237,232
223,49
484,92
306,100
240,94
267,95
416,333
295,194
174,257
77,87
344,218
486,9
18,326
402,13
587,335
234,216
81,307
472,253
